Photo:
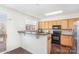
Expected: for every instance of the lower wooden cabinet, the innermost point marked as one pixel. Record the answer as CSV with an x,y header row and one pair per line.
x,y
66,40
49,43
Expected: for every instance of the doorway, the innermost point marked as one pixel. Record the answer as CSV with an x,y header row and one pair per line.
x,y
2,38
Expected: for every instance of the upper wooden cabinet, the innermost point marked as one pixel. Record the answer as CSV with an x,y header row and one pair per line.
x,y
76,19
46,24
39,25
54,22
64,24
58,22
51,23
71,23
43,25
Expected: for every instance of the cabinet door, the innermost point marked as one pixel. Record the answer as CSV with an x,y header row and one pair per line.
x,y
76,19
50,24
46,24
71,40
39,25
42,25
64,24
66,40
58,22
54,22
71,23
49,43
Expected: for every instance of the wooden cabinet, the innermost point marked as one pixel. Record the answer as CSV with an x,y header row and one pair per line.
x,y
39,25
54,22
66,40
64,24
49,43
71,23
42,25
76,19
45,24
58,22
50,24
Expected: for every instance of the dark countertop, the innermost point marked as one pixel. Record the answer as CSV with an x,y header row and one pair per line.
x,y
66,34
35,33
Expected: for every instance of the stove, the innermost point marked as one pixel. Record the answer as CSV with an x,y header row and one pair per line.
x,y
56,34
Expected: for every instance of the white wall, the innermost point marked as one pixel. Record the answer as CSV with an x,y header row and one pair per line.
x,y
34,45
31,43
12,41
15,22
13,19
12,36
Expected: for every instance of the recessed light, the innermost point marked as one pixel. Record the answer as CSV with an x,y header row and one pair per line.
x,y
53,13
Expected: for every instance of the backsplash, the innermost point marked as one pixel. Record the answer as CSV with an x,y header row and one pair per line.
x,y
69,32
66,32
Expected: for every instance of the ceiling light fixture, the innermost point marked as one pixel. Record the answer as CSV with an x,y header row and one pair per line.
x,y
53,13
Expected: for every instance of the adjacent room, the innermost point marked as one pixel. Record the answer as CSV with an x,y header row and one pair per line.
x,y
39,28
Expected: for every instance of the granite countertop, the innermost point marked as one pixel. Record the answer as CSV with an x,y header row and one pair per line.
x,y
33,33
67,34
64,32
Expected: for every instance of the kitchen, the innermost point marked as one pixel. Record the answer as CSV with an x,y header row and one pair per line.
x,y
66,36
40,28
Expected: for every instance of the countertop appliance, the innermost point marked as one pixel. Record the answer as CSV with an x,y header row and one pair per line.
x,y
56,34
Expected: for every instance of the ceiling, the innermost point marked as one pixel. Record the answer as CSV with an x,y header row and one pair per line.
x,y
38,10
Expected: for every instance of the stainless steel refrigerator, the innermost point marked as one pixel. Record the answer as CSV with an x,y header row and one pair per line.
x,y
76,37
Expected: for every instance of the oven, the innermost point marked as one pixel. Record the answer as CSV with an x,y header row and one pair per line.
x,y
56,34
